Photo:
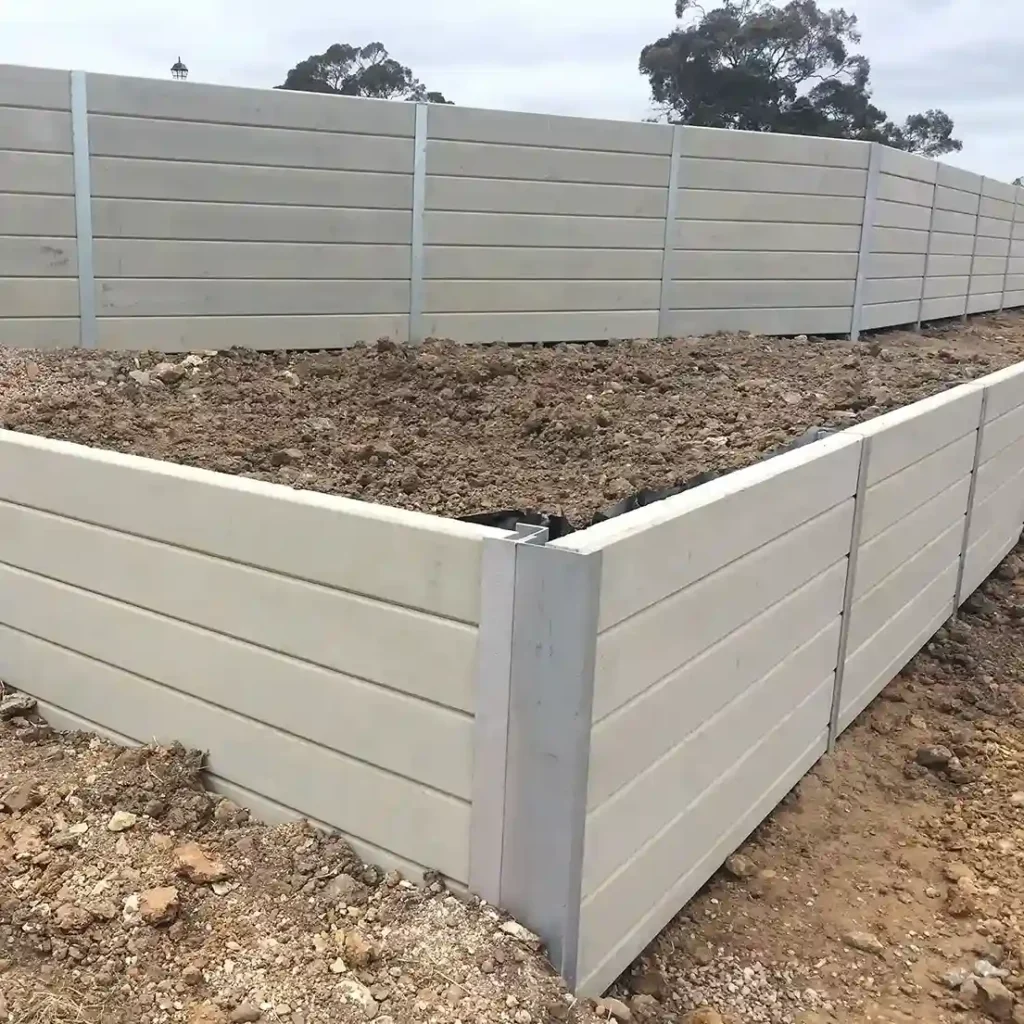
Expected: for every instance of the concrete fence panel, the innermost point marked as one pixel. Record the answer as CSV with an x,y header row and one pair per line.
x,y
766,233
198,216
697,732
541,227
323,651
222,214
910,535
898,247
998,501
38,251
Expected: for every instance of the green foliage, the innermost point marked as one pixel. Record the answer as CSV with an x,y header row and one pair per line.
x,y
757,66
1018,181
358,71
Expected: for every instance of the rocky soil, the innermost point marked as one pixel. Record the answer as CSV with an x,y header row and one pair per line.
x,y
459,430
129,895
887,887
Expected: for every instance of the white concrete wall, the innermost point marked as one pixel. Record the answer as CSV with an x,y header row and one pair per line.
x,y
992,245
718,637
542,228
720,632
767,233
998,509
226,216
911,534
1014,292
898,245
38,253
322,650
954,223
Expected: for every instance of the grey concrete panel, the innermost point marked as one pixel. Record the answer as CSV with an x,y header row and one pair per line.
x,y
162,258
232,144
266,333
535,230
263,108
230,222
539,296
480,160
38,257
40,131
123,178
178,297
42,88
465,124
44,173
773,147
503,263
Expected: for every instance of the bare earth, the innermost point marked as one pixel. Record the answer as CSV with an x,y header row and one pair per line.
x,y
458,430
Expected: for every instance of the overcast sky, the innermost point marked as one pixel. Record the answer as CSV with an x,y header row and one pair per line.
x,y
557,56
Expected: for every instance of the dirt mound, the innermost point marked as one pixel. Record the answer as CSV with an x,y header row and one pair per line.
x,y
129,894
460,430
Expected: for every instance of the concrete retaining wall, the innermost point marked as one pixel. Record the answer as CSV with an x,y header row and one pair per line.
x,y
581,731
210,216
323,651
721,640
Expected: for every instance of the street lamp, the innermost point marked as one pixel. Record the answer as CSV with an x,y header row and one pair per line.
x,y
179,71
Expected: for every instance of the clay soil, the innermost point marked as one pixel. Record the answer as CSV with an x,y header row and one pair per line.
x,y
457,430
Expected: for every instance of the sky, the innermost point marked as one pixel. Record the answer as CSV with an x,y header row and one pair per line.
x,y
554,56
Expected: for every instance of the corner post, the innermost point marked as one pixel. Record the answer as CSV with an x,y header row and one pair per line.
x,y
551,709
83,210
849,591
866,232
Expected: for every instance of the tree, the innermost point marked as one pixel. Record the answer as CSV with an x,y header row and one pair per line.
x,y
358,71
1018,181
757,66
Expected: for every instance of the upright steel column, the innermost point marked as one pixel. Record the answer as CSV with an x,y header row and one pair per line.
x,y
866,229
83,210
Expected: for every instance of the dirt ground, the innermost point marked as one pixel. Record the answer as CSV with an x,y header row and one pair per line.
x,y
887,887
458,430
129,895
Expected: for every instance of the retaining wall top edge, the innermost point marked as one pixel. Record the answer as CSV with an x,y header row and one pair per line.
x,y
258,488
921,407
611,531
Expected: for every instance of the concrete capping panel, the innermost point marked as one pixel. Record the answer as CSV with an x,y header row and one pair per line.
x,y
552,685
657,550
433,563
907,435
37,88
239,106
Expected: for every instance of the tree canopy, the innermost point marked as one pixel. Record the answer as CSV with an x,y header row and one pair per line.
x,y
758,66
358,71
